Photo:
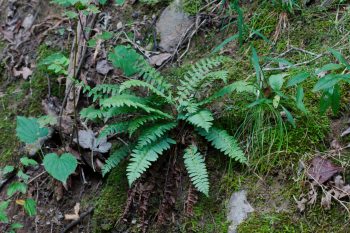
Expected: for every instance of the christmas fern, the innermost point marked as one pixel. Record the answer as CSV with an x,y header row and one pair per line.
x,y
203,119
142,158
197,171
114,159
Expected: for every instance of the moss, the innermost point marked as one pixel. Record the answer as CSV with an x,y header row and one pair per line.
x,y
192,7
110,203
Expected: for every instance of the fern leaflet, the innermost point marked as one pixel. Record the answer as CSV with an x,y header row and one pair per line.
x,y
141,158
91,113
140,121
224,142
195,166
203,119
153,77
99,90
154,132
117,128
114,159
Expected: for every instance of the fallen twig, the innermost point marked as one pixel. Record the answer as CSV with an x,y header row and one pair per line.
x,y
76,222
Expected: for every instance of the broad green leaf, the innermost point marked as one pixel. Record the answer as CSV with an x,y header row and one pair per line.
x,y
71,14
325,102
126,59
289,116
47,120
299,99
329,67
326,82
276,101
30,207
3,215
339,57
300,77
255,62
119,2
16,187
27,161
106,35
29,131
60,167
8,169
335,98
276,81
16,225
22,175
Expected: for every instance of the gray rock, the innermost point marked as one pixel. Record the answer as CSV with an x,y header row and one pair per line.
x,y
239,208
172,24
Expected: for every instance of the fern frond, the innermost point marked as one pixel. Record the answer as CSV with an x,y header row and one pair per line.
x,y
103,89
203,119
114,159
131,101
116,111
220,74
154,78
197,171
140,121
138,83
154,132
117,128
238,86
224,142
91,113
194,78
141,158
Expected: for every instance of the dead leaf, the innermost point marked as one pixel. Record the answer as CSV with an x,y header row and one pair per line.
x,y
88,140
159,59
346,132
25,72
345,191
301,204
74,216
326,200
103,67
335,145
339,182
321,170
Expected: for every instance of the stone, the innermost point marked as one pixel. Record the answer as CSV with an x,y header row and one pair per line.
x,y
239,208
172,24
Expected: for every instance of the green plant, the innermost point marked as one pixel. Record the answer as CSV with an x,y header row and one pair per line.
x,y
56,63
330,81
160,117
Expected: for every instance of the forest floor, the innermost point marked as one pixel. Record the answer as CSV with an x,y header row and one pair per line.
x,y
278,186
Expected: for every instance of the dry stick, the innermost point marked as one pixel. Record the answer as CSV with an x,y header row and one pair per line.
x,y
76,222
295,65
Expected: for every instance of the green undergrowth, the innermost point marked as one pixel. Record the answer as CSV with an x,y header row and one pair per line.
x,y
109,205
20,97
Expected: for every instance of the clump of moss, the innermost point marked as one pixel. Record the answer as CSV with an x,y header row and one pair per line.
x,y
110,203
192,7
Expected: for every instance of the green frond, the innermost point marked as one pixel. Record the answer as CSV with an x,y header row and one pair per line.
x,y
142,158
224,142
91,113
116,111
117,128
154,133
114,159
203,119
238,86
197,171
103,89
140,121
194,78
138,83
218,75
131,101
153,77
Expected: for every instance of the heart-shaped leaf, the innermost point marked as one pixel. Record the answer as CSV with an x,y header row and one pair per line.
x,y
60,167
29,131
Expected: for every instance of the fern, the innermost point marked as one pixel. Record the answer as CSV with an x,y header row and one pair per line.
x,y
194,78
91,113
117,128
224,142
103,89
116,111
141,158
154,132
138,83
195,166
203,119
154,78
140,121
131,101
115,158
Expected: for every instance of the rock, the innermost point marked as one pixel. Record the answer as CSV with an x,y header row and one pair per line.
x,y
172,24
239,208
158,60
